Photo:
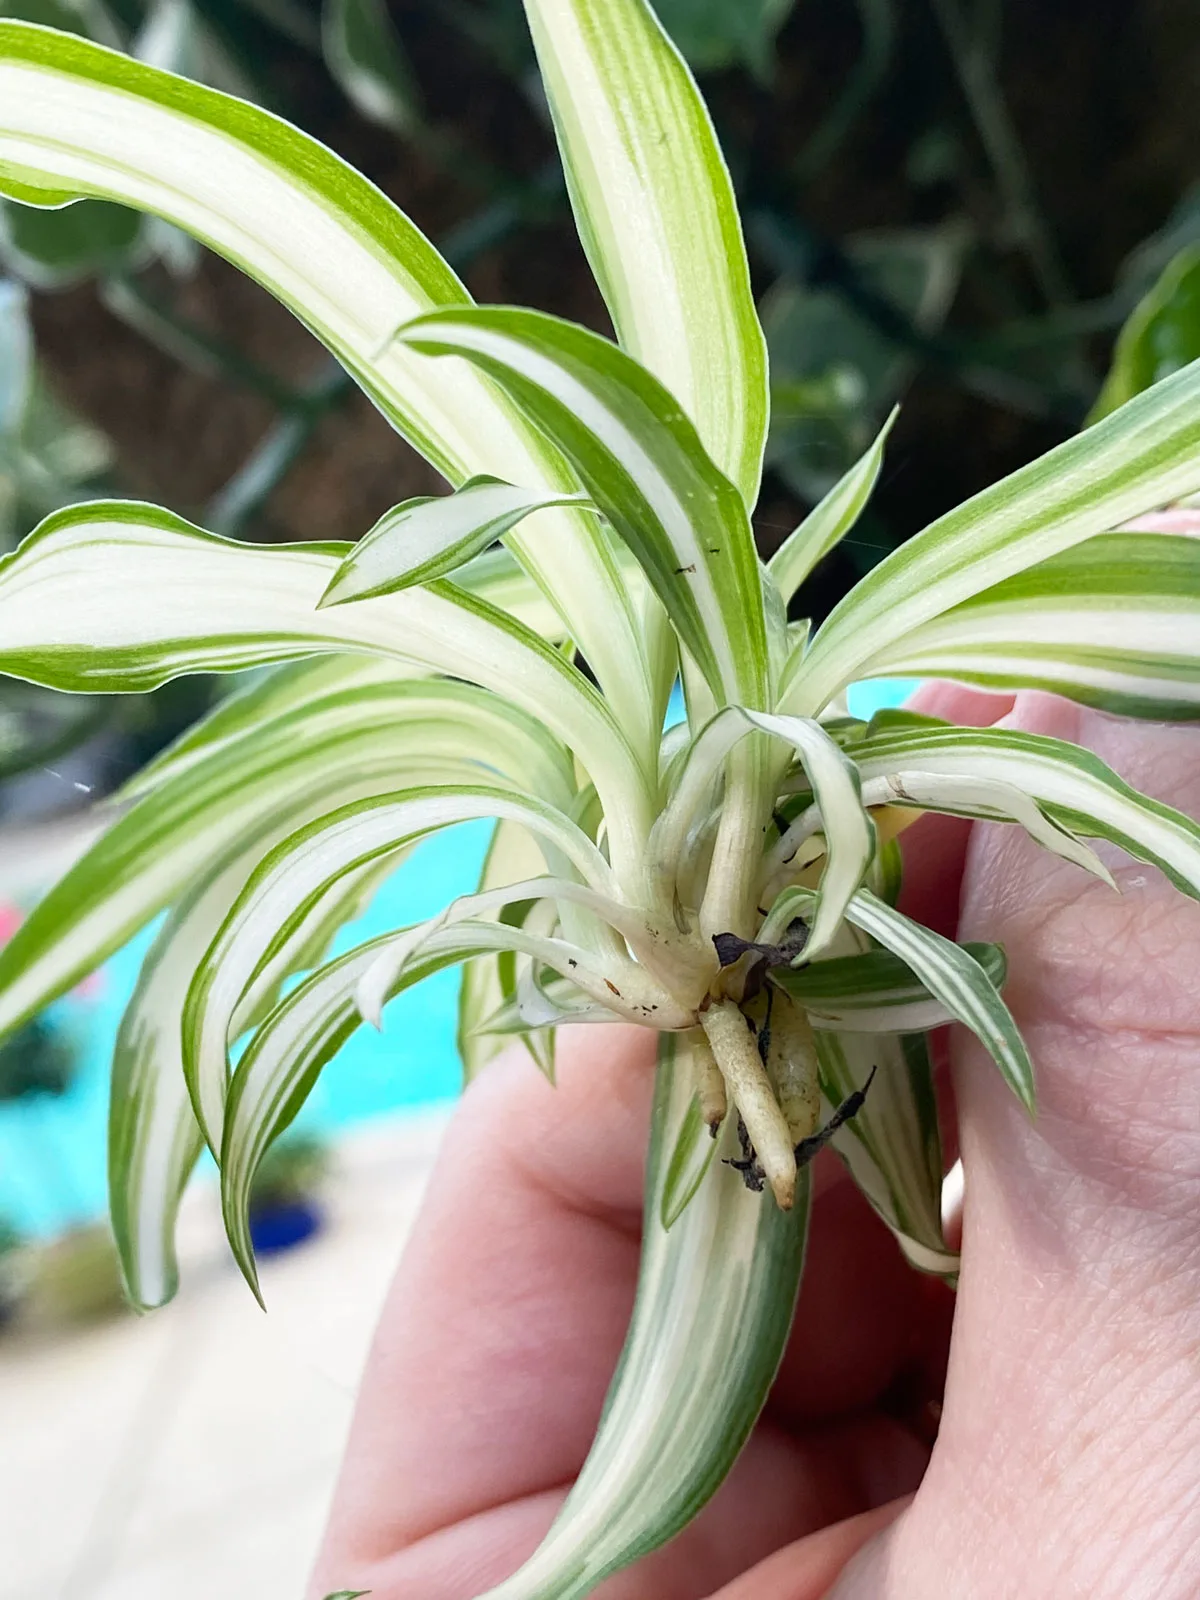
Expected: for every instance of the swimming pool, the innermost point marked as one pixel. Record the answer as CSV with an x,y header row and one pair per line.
x,y
52,1151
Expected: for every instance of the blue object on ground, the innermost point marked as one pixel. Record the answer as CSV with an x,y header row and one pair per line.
x,y
283,1227
52,1151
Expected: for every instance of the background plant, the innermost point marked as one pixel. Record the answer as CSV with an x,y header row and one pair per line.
x,y
731,884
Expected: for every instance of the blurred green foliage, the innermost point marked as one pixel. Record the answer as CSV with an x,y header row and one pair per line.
x,y
40,1059
292,1170
1162,335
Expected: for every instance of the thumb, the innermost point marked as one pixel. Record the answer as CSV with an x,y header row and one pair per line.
x,y
1069,1452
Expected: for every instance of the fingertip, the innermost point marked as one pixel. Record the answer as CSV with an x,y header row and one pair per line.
x,y
808,1569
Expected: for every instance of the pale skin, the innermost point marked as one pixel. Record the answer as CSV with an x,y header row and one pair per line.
x,y
1068,1459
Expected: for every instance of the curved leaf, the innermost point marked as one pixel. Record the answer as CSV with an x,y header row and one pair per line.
x,y
357,743
429,538
657,216
640,460
78,120
849,832
876,991
949,972
1140,457
122,596
1073,787
714,1307
295,875
1114,622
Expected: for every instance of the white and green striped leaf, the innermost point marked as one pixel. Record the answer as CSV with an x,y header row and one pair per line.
x,y
953,976
260,699
153,1138
876,991
960,794
714,1307
641,461
695,1144
849,832
657,216
279,1067
432,536
357,742
830,520
1139,457
121,596
489,981
79,120
1113,622
1075,789
892,1147
300,870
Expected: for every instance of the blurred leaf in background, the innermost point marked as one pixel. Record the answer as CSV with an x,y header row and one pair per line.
x,y
1162,335
48,457
365,56
840,361
40,1059
714,34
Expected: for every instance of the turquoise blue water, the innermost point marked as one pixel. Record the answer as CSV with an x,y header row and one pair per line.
x,y
52,1152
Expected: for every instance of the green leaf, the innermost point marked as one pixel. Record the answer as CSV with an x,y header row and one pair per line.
x,y
295,875
77,120
1161,336
715,33
640,460
283,1061
1140,457
695,1141
121,596
949,972
831,520
849,832
153,1139
1073,787
58,249
656,213
714,1306
1113,622
489,981
356,742
960,794
954,977
876,991
834,373
429,538
892,1147
364,53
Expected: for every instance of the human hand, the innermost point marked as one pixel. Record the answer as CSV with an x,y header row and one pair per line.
x,y
1068,1460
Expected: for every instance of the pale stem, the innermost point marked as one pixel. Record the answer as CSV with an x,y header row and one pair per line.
x,y
735,1047
729,898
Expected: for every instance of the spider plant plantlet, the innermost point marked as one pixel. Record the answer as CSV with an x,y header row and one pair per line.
x,y
732,883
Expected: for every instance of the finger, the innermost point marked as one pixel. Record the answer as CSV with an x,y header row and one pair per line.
x,y
934,848
506,1319
1073,1392
806,1569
